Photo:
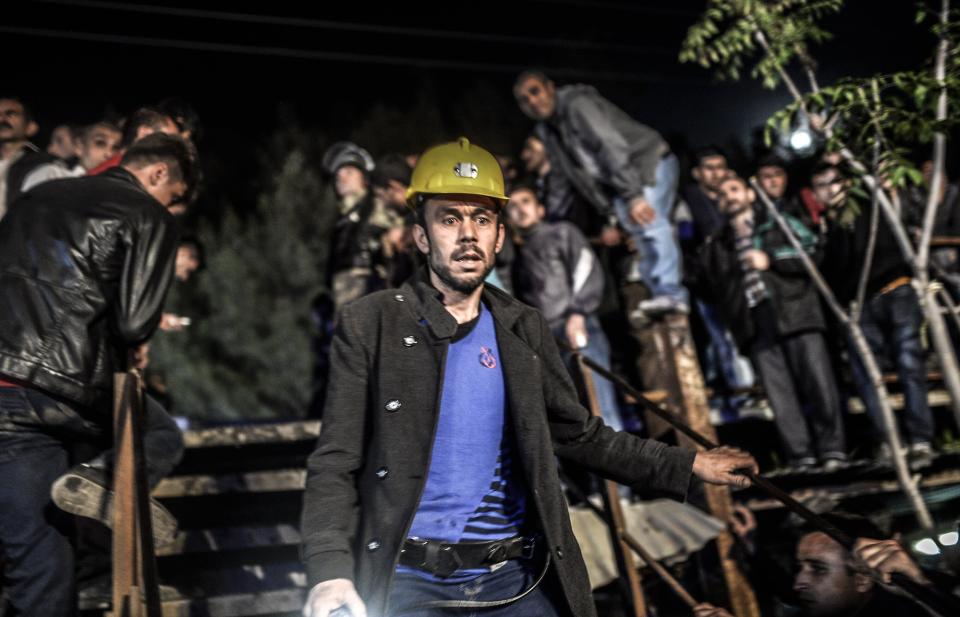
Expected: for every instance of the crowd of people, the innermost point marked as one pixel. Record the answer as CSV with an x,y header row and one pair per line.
x,y
602,237
598,217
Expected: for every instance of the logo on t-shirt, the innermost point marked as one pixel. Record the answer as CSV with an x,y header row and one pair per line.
x,y
486,358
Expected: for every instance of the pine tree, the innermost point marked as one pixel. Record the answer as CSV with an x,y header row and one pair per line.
x,y
247,353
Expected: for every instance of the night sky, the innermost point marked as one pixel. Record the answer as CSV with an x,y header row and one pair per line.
x,y
334,62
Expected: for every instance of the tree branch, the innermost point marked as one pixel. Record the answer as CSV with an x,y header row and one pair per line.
x,y
939,140
791,85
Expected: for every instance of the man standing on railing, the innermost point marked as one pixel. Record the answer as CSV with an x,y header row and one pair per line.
x,y
623,168
85,265
434,482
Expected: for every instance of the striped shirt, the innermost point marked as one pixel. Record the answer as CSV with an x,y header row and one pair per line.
x,y
474,490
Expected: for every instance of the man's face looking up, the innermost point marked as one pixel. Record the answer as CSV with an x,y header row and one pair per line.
x,y
735,195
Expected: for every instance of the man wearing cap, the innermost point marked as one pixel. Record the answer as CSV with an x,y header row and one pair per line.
x,y
434,485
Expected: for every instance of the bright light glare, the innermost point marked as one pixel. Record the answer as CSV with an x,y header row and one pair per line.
x,y
801,140
927,546
950,538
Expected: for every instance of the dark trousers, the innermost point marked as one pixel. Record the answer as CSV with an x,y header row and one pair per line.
x,y
410,590
789,366
891,324
37,435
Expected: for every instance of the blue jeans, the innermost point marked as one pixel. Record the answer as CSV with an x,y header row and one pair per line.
x,y
515,577
891,324
659,254
598,350
34,533
37,434
723,350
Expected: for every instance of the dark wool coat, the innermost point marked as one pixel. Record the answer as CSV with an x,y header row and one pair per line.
x,y
366,476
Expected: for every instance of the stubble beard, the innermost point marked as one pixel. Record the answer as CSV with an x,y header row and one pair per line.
x,y
465,284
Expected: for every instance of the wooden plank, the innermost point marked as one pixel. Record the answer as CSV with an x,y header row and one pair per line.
x,y
238,605
245,434
126,572
689,398
221,484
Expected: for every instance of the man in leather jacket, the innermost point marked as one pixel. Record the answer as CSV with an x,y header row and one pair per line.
x,y
85,265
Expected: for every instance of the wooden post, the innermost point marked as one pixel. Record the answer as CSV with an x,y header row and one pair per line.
x,y
688,396
135,591
629,575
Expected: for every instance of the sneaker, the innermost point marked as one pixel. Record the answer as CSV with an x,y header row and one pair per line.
x,y
85,491
833,461
660,305
920,455
802,465
884,456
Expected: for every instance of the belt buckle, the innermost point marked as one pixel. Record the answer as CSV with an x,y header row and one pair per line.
x,y
444,558
420,552
528,547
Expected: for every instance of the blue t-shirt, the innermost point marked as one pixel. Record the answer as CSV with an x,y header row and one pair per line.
x,y
474,490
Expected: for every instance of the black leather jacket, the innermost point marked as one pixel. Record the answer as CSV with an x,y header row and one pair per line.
x,y
85,265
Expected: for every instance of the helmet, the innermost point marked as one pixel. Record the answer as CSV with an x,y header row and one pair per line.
x,y
456,168
346,153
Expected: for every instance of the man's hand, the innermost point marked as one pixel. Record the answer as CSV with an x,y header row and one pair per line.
x,y
328,596
641,211
610,236
172,323
744,524
576,331
718,466
757,259
708,610
887,557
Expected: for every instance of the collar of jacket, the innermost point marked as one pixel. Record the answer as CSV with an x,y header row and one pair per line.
x,y
442,324
121,175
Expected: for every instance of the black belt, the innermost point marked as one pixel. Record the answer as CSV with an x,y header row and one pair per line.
x,y
443,558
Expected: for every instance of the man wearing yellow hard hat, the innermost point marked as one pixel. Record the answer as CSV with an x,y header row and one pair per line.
x,y
434,486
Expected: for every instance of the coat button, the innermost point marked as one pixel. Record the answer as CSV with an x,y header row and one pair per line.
x,y
409,341
383,472
399,298
393,405
373,545
559,553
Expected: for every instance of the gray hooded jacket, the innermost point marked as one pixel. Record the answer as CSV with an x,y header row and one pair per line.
x,y
557,272
598,149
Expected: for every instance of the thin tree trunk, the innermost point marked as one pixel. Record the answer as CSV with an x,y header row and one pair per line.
x,y
857,308
862,348
938,327
949,304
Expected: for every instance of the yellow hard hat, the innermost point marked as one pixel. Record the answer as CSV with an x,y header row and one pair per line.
x,y
456,168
